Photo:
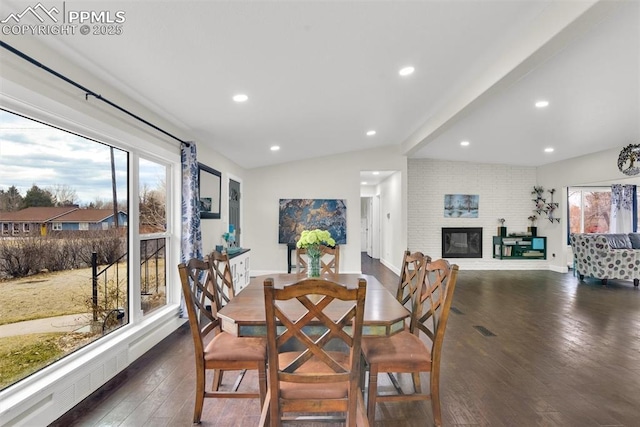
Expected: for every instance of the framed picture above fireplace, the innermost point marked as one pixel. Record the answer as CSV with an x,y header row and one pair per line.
x,y
462,242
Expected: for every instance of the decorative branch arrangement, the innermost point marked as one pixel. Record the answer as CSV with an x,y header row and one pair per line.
x,y
542,206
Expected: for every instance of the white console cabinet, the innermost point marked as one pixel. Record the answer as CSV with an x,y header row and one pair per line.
x,y
239,264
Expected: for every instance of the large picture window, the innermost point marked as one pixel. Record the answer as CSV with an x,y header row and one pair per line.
x,y
73,265
590,209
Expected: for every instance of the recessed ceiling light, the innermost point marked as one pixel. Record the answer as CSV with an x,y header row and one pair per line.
x,y
542,104
364,183
464,143
275,148
241,97
548,150
371,133
406,71
376,173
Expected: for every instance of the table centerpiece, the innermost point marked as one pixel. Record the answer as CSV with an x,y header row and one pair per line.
x,y
311,240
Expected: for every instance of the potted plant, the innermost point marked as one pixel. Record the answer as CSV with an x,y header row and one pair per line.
x,y
532,229
502,230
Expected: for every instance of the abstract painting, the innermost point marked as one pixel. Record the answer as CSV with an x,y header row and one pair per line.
x,y
307,214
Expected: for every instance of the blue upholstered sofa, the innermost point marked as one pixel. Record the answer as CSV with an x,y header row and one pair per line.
x,y
607,256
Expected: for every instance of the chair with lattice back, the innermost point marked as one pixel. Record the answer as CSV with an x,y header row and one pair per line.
x,y
406,351
314,353
329,260
222,277
224,351
409,275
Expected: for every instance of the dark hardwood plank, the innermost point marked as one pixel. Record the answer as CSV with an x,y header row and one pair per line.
x,y
566,353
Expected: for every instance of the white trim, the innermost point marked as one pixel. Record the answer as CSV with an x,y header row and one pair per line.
x,y
43,397
49,393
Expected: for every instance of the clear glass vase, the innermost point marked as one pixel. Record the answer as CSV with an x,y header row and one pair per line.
x,y
313,267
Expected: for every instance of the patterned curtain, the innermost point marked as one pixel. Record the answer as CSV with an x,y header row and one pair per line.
x,y
622,199
191,242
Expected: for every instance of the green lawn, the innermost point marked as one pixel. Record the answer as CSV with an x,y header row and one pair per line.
x,y
23,355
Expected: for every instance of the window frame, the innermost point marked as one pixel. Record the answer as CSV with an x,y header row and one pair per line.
x,y
84,358
593,188
158,235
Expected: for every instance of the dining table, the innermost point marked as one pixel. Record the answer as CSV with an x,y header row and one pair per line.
x,y
245,315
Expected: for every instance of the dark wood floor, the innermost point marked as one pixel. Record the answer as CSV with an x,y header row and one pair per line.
x,y
562,353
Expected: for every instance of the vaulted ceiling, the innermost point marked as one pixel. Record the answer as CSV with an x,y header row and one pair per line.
x,y
319,75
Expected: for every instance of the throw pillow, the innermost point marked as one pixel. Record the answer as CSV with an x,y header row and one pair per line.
x,y
619,241
635,240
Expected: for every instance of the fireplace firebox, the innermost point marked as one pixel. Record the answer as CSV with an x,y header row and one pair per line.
x,y
462,242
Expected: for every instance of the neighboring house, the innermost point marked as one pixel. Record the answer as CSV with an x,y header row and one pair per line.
x,y
40,221
88,219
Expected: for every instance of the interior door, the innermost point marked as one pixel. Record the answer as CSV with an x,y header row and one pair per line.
x,y
234,209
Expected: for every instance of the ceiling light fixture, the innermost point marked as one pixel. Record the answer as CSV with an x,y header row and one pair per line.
x,y
275,148
241,97
371,133
548,150
406,71
464,143
376,173
542,104
364,183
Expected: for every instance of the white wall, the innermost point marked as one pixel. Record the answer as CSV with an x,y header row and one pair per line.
x,y
593,169
333,177
393,205
505,192
212,229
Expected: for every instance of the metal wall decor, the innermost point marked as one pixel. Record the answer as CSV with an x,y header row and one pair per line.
x,y
542,206
627,159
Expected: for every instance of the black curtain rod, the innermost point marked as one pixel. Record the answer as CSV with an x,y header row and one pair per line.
x,y
88,92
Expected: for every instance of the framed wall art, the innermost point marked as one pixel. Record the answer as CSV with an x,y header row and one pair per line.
x,y
461,205
307,214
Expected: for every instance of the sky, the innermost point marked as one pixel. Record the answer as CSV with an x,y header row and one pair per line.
x,y
34,153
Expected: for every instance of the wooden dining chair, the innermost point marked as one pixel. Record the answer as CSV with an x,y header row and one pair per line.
x,y
314,360
406,351
410,275
329,261
224,351
222,277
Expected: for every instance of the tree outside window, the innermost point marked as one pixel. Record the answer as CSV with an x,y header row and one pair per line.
x,y
589,209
